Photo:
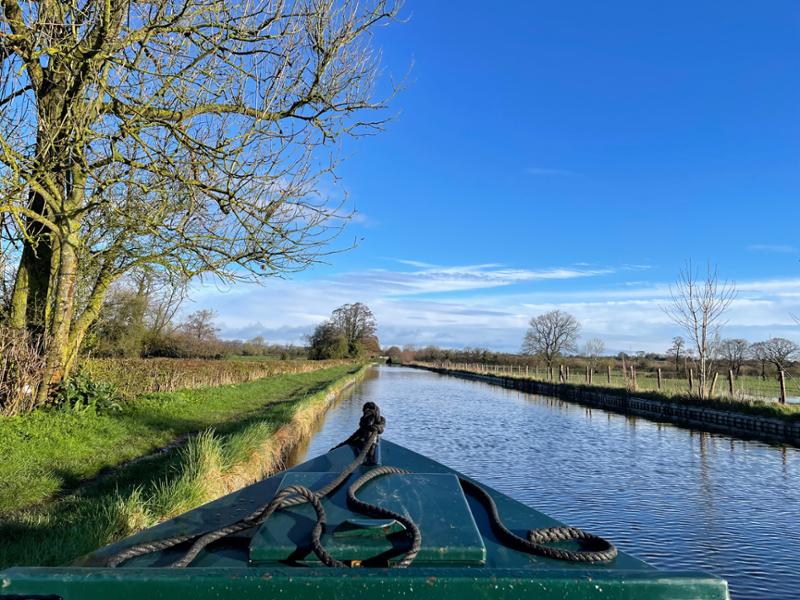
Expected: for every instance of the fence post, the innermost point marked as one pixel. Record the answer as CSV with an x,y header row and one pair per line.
x,y
783,386
587,373
608,374
730,382
713,384
526,370
659,379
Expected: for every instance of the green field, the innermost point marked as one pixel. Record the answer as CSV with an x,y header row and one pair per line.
x,y
745,387
751,395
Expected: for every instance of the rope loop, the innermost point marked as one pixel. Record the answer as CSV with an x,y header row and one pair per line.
x,y
370,424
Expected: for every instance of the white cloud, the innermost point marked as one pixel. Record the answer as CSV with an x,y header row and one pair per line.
x,y
414,263
485,305
432,279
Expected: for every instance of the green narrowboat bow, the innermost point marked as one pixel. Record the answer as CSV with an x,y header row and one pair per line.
x,y
369,519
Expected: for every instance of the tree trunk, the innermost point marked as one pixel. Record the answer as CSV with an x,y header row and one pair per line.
x,y
32,284
87,317
57,349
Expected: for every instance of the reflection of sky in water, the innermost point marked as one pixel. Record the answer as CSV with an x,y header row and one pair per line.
x,y
677,498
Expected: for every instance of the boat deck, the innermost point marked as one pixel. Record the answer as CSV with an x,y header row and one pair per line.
x,y
275,561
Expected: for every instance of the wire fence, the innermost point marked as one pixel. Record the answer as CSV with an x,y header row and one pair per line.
x,y
782,388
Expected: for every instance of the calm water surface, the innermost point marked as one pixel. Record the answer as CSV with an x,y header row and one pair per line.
x,y
676,498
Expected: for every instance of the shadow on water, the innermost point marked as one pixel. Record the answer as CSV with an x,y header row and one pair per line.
x,y
677,498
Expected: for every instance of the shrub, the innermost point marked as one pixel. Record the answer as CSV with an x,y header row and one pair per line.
x,y
21,370
81,393
133,376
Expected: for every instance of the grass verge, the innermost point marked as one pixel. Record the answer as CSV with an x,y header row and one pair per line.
x,y
256,425
788,412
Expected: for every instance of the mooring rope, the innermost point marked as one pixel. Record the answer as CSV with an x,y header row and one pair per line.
x,y
371,425
600,551
373,510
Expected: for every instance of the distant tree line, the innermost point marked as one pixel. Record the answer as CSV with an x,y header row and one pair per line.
x,y
553,337
140,319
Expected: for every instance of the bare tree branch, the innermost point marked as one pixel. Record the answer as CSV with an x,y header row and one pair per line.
x,y
698,305
195,137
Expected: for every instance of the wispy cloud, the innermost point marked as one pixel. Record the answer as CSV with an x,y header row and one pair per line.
x,y
433,279
778,248
549,172
414,263
490,305
362,219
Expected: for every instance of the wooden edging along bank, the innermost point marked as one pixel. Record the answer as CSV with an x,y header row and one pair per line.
x,y
696,417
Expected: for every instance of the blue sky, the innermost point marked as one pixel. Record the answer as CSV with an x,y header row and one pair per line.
x,y
570,155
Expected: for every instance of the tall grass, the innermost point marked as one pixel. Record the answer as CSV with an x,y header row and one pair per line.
x,y
48,452
208,466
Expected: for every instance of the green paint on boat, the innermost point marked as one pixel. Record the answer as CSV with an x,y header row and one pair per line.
x,y
460,555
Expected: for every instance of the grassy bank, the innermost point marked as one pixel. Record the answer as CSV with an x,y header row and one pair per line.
x,y
255,424
788,412
764,408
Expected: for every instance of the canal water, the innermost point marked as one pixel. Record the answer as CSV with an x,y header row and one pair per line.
x,y
677,498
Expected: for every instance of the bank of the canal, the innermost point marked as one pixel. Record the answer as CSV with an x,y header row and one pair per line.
x,y
675,497
266,420
697,416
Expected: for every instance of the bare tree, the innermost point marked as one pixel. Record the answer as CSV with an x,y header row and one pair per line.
x,y
734,352
594,349
187,135
697,305
780,352
758,351
551,334
200,325
678,343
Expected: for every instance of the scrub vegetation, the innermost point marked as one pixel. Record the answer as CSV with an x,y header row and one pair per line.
x,y
236,435
131,377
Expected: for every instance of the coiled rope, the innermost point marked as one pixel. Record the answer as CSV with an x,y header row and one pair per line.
x,y
371,425
600,550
